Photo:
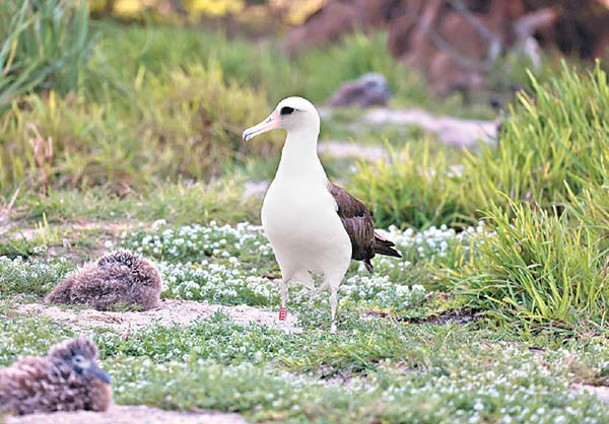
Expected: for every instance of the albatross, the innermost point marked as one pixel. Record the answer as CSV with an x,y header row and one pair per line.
x,y
313,225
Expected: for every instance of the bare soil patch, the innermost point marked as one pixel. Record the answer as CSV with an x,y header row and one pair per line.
x,y
602,392
118,414
457,317
171,312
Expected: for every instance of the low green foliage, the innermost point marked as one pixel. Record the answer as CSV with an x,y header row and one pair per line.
x,y
555,139
553,146
244,244
216,338
538,268
35,278
25,336
411,374
45,45
414,188
177,203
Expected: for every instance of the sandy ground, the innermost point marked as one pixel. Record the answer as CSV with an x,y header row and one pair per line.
x,y
118,414
601,392
171,312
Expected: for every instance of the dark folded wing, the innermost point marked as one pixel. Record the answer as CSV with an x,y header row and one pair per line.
x,y
359,224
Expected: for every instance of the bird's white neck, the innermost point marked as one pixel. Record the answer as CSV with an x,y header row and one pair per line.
x,y
299,158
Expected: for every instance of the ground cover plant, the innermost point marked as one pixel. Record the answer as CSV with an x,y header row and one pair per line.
x,y
495,313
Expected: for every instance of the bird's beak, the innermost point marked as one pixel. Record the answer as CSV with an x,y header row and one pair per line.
x,y
96,372
273,121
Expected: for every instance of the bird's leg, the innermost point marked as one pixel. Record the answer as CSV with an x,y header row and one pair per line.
x,y
283,312
333,305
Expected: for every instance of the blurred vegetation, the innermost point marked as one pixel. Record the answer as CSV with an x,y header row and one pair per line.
x,y
45,44
316,73
286,11
419,196
186,123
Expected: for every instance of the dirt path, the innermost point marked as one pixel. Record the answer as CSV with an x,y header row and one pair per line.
x,y
118,414
183,312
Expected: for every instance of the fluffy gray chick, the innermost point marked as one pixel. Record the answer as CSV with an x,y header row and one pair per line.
x,y
68,379
120,278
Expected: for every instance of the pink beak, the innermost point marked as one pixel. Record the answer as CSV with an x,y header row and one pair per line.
x,y
273,121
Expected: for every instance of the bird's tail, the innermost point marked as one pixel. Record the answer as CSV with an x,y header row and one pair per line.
x,y
382,246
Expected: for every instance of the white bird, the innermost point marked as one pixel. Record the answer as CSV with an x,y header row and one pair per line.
x,y
313,226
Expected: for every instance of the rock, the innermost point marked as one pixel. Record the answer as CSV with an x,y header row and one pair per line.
x,y
368,90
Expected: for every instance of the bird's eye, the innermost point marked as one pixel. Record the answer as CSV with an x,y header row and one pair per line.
x,y
286,110
78,359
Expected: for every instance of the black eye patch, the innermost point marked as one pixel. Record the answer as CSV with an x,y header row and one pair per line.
x,y
286,110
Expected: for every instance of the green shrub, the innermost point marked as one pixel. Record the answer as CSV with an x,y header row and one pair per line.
x,y
35,278
187,124
46,45
557,137
539,268
413,188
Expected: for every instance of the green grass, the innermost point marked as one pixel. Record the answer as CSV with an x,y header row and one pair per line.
x,y
177,203
555,141
553,145
27,336
45,45
188,125
538,268
414,188
177,111
31,279
158,49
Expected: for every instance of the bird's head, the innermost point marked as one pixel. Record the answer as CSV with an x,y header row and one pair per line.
x,y
123,257
292,114
80,355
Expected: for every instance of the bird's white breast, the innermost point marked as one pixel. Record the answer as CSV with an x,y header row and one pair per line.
x,y
300,220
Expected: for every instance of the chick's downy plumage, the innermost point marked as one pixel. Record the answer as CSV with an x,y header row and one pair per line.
x,y
68,379
120,278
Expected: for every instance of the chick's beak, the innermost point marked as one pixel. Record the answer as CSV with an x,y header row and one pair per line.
x,y
96,372
273,121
